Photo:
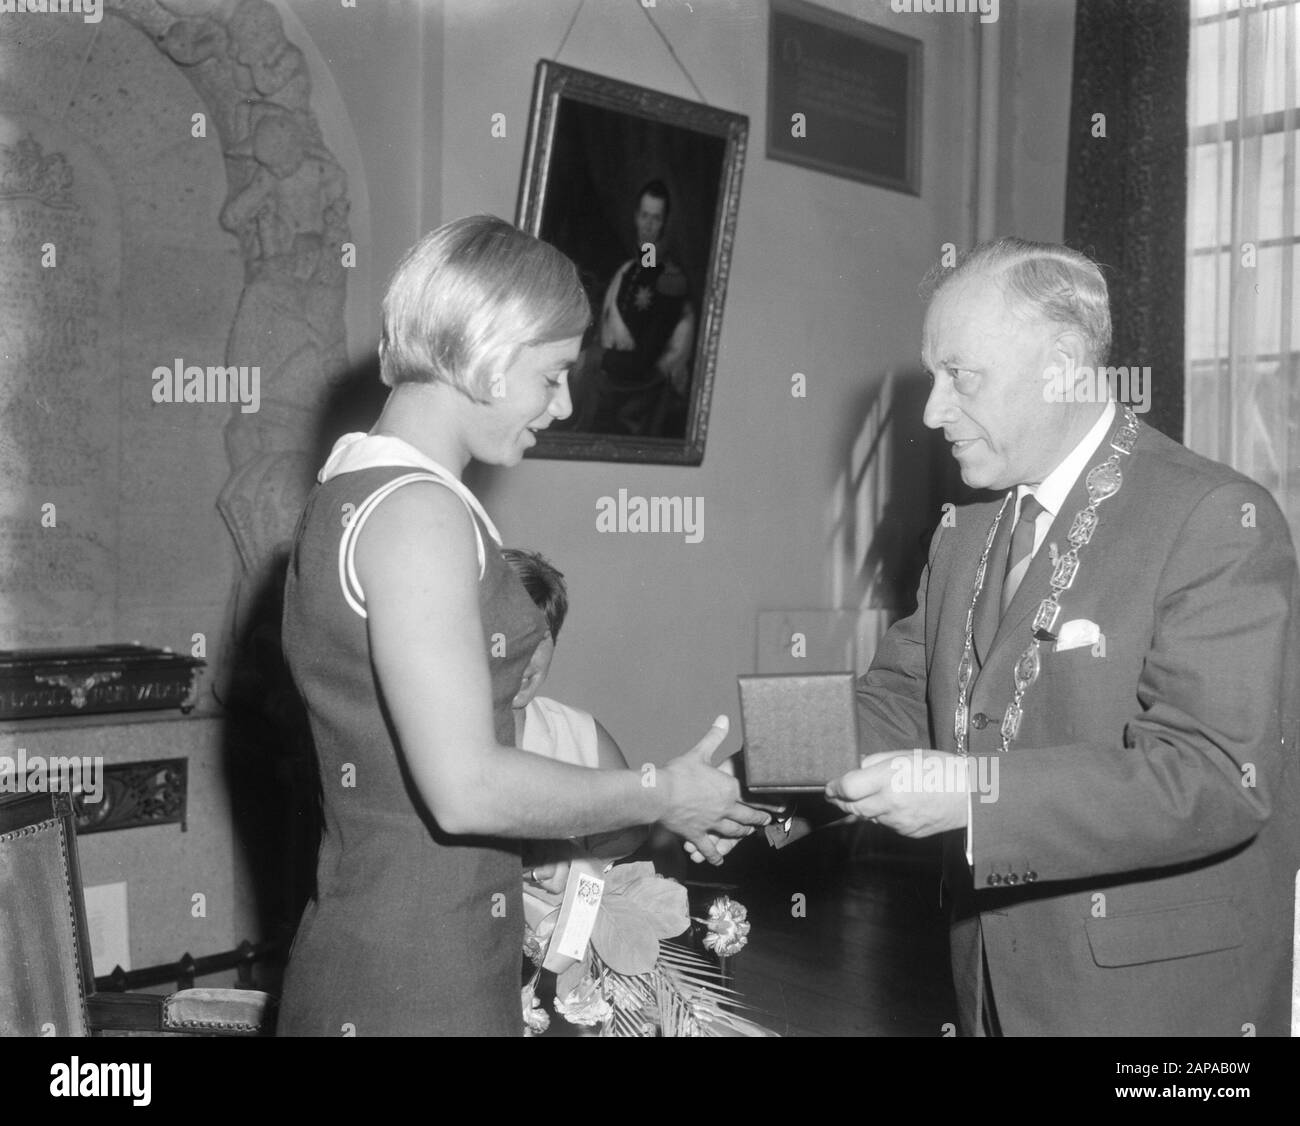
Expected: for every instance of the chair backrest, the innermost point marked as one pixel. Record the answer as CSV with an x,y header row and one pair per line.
x,y
45,966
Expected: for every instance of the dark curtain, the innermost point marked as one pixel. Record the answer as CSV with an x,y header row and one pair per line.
x,y
1126,192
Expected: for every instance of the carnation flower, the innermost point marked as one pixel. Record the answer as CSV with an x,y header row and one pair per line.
x,y
534,948
728,930
584,1005
536,1019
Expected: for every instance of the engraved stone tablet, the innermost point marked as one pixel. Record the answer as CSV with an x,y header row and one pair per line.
x,y
60,448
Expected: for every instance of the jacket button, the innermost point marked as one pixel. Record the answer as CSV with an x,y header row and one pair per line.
x,y
979,721
994,879
1030,876
1012,878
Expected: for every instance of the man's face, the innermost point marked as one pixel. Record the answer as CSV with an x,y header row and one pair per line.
x,y
987,362
650,220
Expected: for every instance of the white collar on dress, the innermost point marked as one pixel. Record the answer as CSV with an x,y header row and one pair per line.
x,y
357,451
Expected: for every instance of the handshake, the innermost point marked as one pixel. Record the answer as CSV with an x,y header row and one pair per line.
x,y
892,789
702,800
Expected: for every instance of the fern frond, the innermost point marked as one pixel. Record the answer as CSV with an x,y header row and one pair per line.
x,y
715,1008
682,996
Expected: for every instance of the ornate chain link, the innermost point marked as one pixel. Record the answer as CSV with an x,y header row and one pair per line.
x,y
1104,480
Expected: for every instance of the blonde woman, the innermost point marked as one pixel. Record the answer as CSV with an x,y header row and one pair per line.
x,y
407,634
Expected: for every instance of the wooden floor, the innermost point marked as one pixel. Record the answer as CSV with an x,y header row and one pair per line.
x,y
846,936
864,952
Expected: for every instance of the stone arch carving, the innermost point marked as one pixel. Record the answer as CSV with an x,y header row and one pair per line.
x,y
287,204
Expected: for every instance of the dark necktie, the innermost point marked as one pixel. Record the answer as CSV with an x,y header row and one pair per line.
x,y
1022,548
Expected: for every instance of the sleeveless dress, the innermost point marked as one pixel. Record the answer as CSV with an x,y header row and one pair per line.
x,y
412,932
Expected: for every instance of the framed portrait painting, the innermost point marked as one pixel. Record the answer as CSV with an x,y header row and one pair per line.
x,y
641,190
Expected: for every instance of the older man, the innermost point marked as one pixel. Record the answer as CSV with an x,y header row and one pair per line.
x,y
1111,636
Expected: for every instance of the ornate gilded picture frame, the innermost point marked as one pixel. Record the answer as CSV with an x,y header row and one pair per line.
x,y
641,190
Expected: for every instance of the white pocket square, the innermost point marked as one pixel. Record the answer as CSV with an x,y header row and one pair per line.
x,y
1077,633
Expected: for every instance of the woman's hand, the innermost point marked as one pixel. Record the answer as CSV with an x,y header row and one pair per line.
x,y
704,802
549,877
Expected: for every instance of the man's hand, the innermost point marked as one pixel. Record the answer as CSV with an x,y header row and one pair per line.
x,y
704,802
915,793
721,845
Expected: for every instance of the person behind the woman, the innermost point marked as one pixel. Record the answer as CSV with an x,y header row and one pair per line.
x,y
407,634
545,726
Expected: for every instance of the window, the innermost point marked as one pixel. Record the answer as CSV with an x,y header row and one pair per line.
x,y
1243,272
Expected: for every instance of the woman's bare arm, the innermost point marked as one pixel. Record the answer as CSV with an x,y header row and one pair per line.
x,y
417,564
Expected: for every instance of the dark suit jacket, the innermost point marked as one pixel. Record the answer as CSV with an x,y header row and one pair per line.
x,y
1135,875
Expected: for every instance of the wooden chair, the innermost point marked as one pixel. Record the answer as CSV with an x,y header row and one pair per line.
x,y
47,987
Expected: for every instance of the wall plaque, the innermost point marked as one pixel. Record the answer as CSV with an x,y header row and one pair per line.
x,y
843,96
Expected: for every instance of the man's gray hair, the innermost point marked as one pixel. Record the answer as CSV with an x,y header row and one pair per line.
x,y
1044,279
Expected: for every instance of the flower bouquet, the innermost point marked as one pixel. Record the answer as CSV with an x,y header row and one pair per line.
x,y
628,979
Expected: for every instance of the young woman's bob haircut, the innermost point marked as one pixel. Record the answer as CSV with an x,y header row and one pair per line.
x,y
467,297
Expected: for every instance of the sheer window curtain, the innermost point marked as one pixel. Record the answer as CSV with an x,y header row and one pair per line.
x,y
1243,272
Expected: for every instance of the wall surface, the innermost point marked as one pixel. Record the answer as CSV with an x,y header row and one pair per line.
x,y
823,282
145,273
135,524
1037,62
803,509
384,64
